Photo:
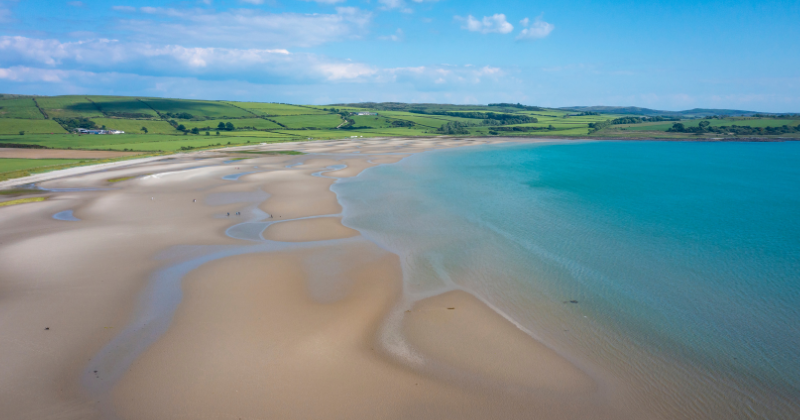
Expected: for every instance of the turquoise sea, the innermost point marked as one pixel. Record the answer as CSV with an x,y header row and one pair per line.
x,y
683,258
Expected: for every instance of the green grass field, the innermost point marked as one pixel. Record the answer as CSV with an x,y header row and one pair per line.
x,y
14,126
207,109
257,123
260,108
135,126
136,142
20,108
259,134
122,104
665,125
314,121
68,107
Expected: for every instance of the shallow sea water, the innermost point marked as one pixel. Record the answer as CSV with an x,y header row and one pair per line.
x,y
683,258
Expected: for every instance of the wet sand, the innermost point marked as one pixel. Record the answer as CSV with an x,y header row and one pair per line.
x,y
291,326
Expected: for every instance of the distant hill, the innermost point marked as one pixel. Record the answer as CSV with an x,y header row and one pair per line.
x,y
634,110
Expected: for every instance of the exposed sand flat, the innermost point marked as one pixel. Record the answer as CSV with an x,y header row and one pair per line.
x,y
308,230
296,193
60,154
288,333
459,334
250,342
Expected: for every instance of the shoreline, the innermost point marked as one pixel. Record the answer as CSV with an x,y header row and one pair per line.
x,y
125,381
83,169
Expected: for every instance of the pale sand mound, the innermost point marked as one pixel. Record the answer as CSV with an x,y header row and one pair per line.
x,y
308,230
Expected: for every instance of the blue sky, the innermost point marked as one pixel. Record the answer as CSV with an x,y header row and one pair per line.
x,y
664,54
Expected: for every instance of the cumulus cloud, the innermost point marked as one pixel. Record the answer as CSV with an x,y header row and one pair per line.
x,y
27,74
144,58
536,30
245,28
489,24
50,58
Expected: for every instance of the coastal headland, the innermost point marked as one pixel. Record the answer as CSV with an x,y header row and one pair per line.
x,y
223,285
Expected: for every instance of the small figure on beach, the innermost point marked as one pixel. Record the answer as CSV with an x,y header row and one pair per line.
x,y
229,214
194,201
152,198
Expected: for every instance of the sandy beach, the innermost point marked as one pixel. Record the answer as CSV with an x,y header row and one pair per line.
x,y
223,285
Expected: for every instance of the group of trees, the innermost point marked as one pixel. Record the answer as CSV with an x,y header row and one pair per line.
x,y
196,130
597,126
180,115
496,130
739,130
454,127
402,123
75,123
518,105
128,115
489,118
639,120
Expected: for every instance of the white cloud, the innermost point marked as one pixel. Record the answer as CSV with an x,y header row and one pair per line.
x,y
27,74
489,24
253,1
398,36
126,9
48,59
176,60
537,30
247,28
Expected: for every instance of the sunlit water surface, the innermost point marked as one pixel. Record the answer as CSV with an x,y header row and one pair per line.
x,y
683,258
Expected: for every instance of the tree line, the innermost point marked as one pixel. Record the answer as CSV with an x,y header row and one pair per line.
x,y
519,106
489,118
739,130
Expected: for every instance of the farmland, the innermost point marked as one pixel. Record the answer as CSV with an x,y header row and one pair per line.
x,y
212,125
204,109
177,124
68,107
14,126
310,121
268,109
135,126
20,108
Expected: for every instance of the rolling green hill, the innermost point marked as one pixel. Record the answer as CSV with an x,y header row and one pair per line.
x,y
179,124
